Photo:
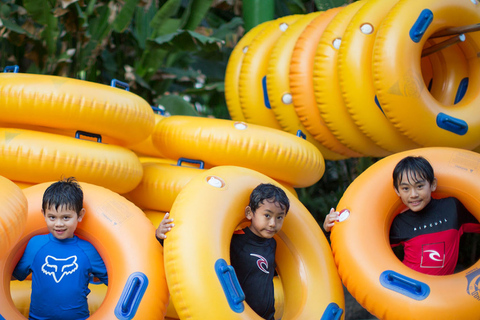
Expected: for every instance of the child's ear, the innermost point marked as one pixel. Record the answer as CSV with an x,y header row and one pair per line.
x,y
433,186
81,214
248,212
396,191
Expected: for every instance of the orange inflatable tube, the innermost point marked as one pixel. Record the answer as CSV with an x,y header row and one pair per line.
x,y
124,238
368,266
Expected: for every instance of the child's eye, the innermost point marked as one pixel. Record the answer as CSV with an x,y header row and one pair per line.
x,y
267,215
280,218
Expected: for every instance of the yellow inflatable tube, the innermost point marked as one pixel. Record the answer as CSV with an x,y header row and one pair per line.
x,y
278,84
206,213
67,103
275,153
398,82
356,78
34,157
160,185
367,264
13,214
123,236
232,74
327,88
252,84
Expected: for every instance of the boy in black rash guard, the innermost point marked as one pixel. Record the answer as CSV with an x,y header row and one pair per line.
x,y
252,250
430,229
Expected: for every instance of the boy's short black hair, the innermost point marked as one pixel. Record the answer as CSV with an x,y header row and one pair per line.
x,y
267,191
418,166
64,193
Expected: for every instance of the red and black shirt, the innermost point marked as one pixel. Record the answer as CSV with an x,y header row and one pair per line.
x,y
431,236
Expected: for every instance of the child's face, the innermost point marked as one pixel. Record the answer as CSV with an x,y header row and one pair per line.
x,y
62,223
415,194
267,220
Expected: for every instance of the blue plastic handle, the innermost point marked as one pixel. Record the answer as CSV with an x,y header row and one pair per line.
x,y
300,134
80,133
402,284
421,25
187,160
159,110
462,89
332,312
120,84
449,123
13,69
231,287
266,101
132,294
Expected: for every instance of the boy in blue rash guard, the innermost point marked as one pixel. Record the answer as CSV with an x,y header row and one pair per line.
x,y
252,250
60,262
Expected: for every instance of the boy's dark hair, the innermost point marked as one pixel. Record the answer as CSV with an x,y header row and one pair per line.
x,y
267,191
418,166
64,193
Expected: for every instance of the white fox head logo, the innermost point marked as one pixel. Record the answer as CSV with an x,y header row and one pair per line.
x,y
57,268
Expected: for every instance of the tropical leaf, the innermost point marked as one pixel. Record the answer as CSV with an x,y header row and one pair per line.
x,y
197,9
176,105
123,19
186,40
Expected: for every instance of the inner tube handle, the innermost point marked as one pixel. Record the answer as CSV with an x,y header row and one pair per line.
x,y
187,160
231,287
332,312
13,69
449,123
421,25
300,134
120,84
131,296
402,284
80,133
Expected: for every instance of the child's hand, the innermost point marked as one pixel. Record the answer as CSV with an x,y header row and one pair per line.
x,y
330,219
164,226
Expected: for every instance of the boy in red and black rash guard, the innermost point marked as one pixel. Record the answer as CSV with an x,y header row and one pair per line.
x,y
429,229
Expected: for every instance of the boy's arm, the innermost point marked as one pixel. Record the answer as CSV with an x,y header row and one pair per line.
x,y
330,220
99,269
23,267
165,226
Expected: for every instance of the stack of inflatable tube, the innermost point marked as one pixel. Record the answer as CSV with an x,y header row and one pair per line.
x,y
215,200
146,147
124,238
55,126
275,153
369,269
357,77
